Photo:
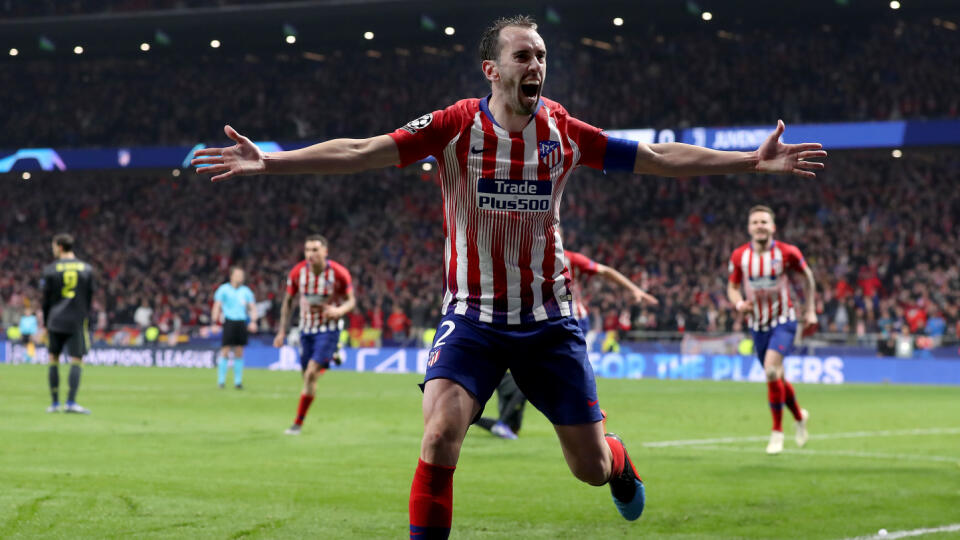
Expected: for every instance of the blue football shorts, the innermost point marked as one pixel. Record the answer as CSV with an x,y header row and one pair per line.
x,y
779,338
584,325
318,347
548,360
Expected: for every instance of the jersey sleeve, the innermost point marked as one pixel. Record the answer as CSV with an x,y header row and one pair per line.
x,y
733,268
793,259
591,140
584,265
427,135
218,295
292,285
344,281
251,299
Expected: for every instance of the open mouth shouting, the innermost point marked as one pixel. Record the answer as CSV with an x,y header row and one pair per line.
x,y
529,92
530,89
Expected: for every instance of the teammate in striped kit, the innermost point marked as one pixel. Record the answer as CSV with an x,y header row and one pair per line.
x,y
581,268
326,295
511,399
504,161
760,267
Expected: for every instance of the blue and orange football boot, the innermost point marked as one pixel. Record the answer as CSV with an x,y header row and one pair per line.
x,y
626,488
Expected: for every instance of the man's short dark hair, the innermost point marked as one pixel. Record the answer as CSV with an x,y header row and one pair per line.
x,y
64,240
316,238
490,40
762,208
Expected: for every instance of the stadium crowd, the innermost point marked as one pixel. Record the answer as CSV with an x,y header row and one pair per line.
x,y
886,70
880,232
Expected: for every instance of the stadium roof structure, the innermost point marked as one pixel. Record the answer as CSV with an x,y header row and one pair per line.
x,y
319,23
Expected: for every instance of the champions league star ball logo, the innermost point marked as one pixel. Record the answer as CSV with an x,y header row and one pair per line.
x,y
416,125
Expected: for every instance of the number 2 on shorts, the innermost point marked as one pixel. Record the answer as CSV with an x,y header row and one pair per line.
x,y
449,325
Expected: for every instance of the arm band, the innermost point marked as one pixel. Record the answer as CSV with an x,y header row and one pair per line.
x,y
621,155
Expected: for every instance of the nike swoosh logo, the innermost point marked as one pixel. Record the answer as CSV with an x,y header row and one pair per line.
x,y
475,151
592,403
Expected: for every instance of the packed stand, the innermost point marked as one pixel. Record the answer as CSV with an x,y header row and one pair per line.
x,y
880,233
882,71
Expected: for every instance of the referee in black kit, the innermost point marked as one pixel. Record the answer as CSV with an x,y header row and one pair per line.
x,y
67,294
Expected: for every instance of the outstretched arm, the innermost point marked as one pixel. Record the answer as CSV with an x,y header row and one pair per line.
x,y
613,276
773,157
336,156
810,296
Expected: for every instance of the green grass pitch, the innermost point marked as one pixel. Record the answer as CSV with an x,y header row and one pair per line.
x,y
168,455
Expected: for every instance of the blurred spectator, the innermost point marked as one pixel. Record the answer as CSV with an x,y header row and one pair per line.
x,y
143,316
877,70
398,325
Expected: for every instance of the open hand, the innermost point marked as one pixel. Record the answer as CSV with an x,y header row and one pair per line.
x,y
640,296
778,158
331,313
241,159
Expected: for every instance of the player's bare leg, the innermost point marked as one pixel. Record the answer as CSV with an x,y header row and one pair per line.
x,y
597,458
310,377
447,411
586,452
773,368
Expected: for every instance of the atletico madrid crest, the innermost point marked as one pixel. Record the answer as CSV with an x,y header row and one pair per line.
x,y
550,153
434,356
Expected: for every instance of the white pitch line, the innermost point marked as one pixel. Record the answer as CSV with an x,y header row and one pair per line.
x,y
842,453
823,436
905,534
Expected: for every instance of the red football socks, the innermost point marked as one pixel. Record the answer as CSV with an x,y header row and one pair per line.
x,y
618,456
790,400
305,402
775,397
431,501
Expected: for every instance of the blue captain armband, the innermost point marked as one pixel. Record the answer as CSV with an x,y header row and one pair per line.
x,y
621,155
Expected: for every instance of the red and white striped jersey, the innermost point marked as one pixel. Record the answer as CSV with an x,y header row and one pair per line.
x,y
765,282
503,256
329,287
581,267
